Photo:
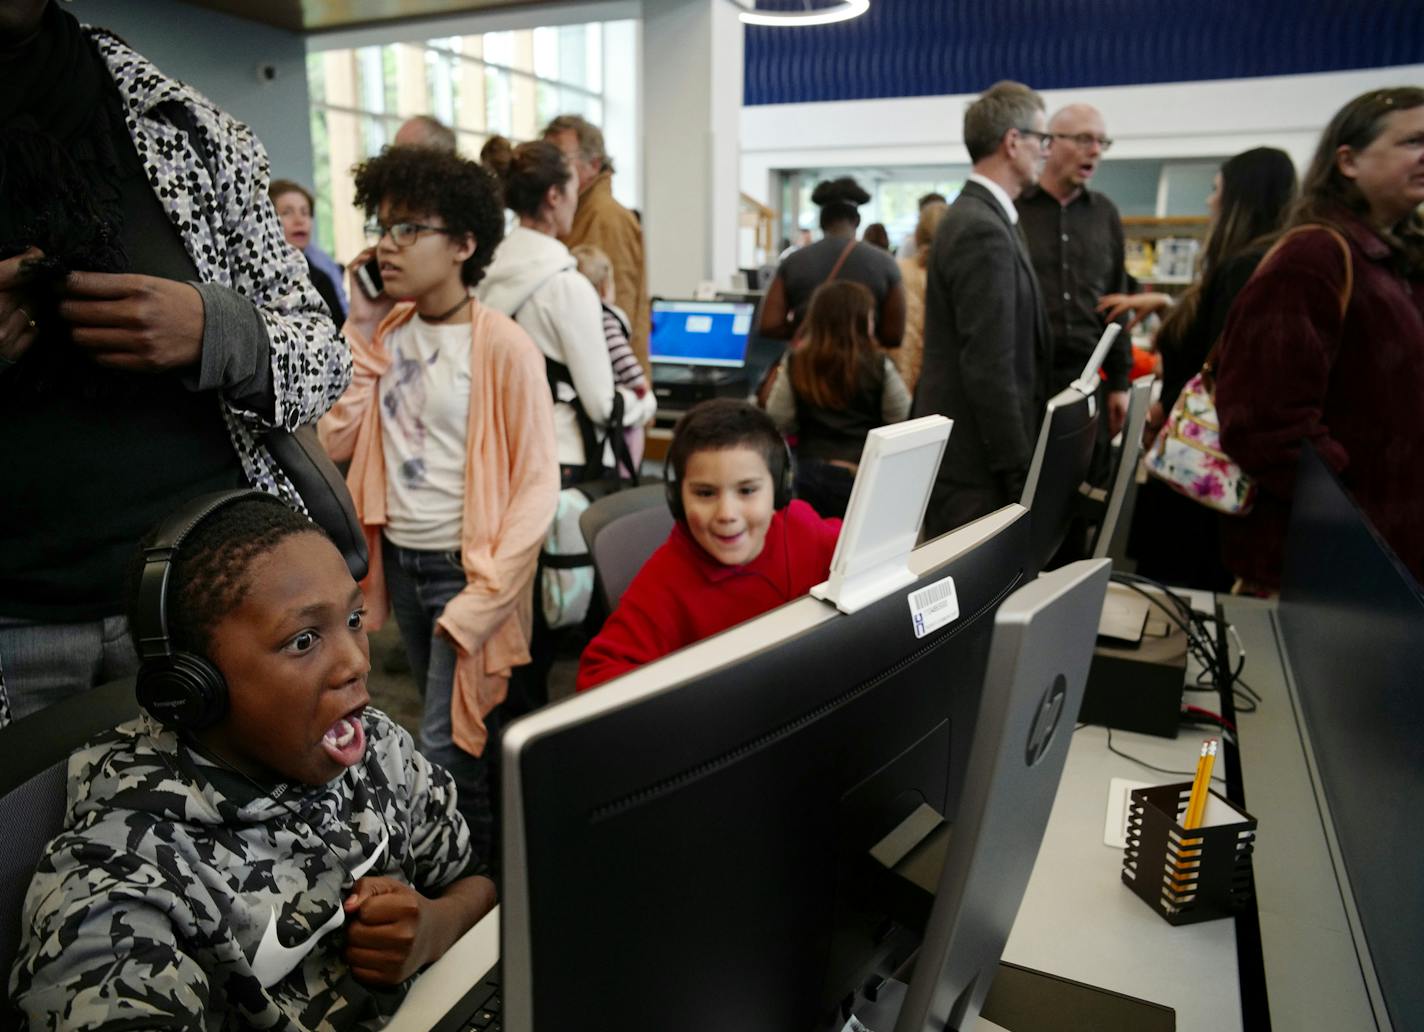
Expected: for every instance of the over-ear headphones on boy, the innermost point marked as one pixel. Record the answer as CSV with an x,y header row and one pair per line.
x,y
782,480
182,689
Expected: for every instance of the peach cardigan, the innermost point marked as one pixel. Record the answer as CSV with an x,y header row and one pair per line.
x,y
511,490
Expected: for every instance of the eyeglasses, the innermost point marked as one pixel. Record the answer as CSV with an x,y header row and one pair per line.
x,y
1042,138
1085,140
403,234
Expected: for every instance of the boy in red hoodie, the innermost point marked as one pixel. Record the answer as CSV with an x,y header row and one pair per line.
x,y
741,546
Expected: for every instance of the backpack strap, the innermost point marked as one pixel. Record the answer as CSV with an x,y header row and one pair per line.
x,y
558,373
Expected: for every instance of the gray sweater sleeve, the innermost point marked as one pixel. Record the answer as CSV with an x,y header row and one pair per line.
x,y
237,355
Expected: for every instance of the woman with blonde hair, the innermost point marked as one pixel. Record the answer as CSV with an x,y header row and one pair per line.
x,y
911,352
832,390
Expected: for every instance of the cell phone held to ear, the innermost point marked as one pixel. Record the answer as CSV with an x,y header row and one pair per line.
x,y
368,275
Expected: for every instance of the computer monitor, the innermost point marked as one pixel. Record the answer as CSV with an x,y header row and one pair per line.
x,y
1060,465
690,846
700,333
1352,621
1038,666
1107,505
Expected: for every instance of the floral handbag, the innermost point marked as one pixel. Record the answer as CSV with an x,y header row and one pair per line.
x,y
1187,454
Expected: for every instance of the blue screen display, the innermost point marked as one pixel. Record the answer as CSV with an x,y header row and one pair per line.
x,y
710,333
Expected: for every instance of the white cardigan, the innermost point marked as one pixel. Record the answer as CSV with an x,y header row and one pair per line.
x,y
535,279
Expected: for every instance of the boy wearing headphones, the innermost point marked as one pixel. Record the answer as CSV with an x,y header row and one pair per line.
x,y
741,546
260,849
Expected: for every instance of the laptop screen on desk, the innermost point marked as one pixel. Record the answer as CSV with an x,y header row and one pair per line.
x,y
700,333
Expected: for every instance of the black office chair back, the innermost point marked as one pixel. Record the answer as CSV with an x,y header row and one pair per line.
x,y
622,530
34,758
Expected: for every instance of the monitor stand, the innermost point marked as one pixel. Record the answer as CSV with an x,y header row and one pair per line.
x,y
695,375
1020,999
678,388
1023,1000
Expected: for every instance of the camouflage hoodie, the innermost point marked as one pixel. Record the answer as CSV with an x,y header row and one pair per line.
x,y
179,897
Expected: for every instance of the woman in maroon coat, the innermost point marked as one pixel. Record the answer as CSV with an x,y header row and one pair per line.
x,y
1292,367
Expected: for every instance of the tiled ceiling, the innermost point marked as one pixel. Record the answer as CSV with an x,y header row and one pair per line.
x,y
326,15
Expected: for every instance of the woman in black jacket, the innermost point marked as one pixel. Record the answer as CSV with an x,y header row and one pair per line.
x,y
1174,539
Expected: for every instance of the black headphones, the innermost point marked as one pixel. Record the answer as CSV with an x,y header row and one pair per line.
x,y
782,478
181,689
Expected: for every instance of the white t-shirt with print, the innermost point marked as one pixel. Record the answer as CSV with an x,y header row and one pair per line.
x,y
425,408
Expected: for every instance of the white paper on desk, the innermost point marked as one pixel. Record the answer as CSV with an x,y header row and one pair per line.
x,y
1115,824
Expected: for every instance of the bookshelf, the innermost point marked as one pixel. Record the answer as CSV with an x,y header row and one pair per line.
x,y
1161,252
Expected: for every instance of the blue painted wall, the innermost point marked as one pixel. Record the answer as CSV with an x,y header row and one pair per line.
x,y
910,48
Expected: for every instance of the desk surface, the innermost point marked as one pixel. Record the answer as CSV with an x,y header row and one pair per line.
x,y
1078,920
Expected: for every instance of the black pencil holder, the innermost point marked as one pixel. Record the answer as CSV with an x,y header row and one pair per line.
x,y
1187,881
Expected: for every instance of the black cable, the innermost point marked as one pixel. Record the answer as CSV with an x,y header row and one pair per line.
x,y
1184,607
1176,618
1198,642
1190,620
1161,770
1193,623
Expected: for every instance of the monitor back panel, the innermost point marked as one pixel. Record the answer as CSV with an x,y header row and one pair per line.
x,y
1353,622
1060,465
694,860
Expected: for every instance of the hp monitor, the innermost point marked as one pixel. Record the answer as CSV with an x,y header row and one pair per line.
x,y
1106,506
693,846
1060,465
700,334
1043,643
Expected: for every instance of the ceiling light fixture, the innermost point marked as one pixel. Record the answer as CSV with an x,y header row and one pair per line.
x,y
842,11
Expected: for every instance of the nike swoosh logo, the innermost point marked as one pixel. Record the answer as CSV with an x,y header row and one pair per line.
x,y
273,961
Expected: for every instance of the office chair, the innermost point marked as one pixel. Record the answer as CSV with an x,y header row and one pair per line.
x,y
34,755
622,530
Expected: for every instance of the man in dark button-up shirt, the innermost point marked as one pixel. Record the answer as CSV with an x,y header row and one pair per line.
x,y
1075,240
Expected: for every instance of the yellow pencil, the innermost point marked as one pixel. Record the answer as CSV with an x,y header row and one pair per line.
x,y
1196,787
1196,812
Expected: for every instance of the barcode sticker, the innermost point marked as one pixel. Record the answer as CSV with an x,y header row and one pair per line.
x,y
933,607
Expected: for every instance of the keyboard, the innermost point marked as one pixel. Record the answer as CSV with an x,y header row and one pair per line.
x,y
479,1010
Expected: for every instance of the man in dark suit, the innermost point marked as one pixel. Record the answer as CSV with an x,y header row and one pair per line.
x,y
987,343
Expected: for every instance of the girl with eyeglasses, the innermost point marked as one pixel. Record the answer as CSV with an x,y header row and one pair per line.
x,y
450,434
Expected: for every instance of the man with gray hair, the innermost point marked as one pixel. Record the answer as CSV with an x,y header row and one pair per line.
x,y
425,131
1075,240
987,347
604,223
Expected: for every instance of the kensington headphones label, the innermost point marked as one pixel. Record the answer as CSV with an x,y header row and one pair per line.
x,y
933,607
